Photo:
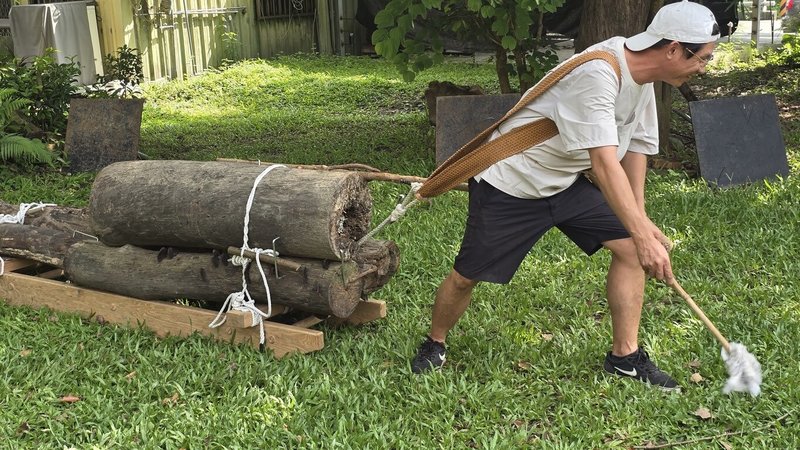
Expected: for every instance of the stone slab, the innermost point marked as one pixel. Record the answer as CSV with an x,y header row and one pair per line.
x,y
460,118
101,131
738,139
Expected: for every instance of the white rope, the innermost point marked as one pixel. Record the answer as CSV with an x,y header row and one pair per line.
x,y
242,301
24,208
399,210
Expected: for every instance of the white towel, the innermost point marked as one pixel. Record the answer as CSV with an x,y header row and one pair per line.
x,y
62,26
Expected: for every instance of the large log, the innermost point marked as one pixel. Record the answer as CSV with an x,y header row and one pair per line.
x,y
328,288
61,218
314,214
378,261
44,245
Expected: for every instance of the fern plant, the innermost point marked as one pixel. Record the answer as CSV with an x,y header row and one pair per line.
x,y
14,146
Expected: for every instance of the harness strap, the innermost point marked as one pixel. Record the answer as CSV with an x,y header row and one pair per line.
x,y
479,154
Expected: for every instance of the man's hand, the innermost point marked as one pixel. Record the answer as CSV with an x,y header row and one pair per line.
x,y
653,257
665,241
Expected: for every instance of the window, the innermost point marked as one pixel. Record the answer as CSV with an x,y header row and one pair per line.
x,y
284,9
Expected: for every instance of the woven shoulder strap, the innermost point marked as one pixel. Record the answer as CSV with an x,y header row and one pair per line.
x,y
479,154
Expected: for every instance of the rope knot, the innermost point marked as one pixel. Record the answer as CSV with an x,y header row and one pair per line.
x,y
236,300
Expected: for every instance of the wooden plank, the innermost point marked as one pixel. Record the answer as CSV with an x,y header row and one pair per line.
x,y
162,319
50,274
242,319
12,264
308,322
366,311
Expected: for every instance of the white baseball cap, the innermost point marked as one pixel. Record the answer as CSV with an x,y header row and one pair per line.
x,y
684,21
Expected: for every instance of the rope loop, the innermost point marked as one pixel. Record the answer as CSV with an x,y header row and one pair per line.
x,y
399,211
24,208
242,301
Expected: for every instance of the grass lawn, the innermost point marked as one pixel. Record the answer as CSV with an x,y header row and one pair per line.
x,y
525,363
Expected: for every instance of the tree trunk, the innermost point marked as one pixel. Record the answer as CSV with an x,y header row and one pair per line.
x,y
602,19
312,214
379,260
37,244
62,218
328,288
501,67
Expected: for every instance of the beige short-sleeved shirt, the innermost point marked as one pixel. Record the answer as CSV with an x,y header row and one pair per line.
x,y
591,109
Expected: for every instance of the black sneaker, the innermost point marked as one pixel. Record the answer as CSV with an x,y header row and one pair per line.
x,y
638,365
429,356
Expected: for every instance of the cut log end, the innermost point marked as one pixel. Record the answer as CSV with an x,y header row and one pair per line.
x,y
352,214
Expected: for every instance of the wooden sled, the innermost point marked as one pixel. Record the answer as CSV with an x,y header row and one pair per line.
x,y
28,283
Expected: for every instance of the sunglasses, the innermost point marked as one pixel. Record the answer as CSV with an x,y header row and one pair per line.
x,y
703,61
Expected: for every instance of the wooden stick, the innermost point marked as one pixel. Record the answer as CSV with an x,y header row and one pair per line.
x,y
281,262
368,173
673,283
717,436
353,166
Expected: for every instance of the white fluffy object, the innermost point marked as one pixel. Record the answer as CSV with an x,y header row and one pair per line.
x,y
743,369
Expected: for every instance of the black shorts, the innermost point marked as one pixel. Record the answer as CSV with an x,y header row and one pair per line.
x,y
501,229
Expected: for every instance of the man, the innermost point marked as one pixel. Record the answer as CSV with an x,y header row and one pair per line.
x,y
605,124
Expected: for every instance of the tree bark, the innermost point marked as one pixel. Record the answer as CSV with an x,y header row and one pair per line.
x,y
61,218
379,261
328,288
501,67
37,244
602,19
312,214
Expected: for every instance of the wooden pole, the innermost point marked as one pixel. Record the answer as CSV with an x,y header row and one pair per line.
x,y
367,172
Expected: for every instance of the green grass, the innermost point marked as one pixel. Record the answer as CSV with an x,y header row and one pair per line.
x,y
524,366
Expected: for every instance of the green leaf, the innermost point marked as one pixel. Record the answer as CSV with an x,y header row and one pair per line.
x,y
404,23
474,5
509,42
385,18
487,11
418,10
380,35
500,27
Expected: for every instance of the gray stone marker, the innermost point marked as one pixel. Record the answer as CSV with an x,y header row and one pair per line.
x,y
460,118
101,131
738,139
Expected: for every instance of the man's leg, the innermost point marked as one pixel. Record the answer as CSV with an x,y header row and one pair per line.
x,y
452,299
625,293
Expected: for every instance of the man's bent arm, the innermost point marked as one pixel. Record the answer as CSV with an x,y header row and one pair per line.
x,y
618,190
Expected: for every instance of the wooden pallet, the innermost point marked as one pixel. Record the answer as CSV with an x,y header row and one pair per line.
x,y
165,318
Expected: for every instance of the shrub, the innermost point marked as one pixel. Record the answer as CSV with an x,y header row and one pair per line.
x,y
48,86
12,145
122,77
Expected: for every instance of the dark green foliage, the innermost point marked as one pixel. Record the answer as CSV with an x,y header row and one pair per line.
x,y
48,86
410,34
14,146
125,66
